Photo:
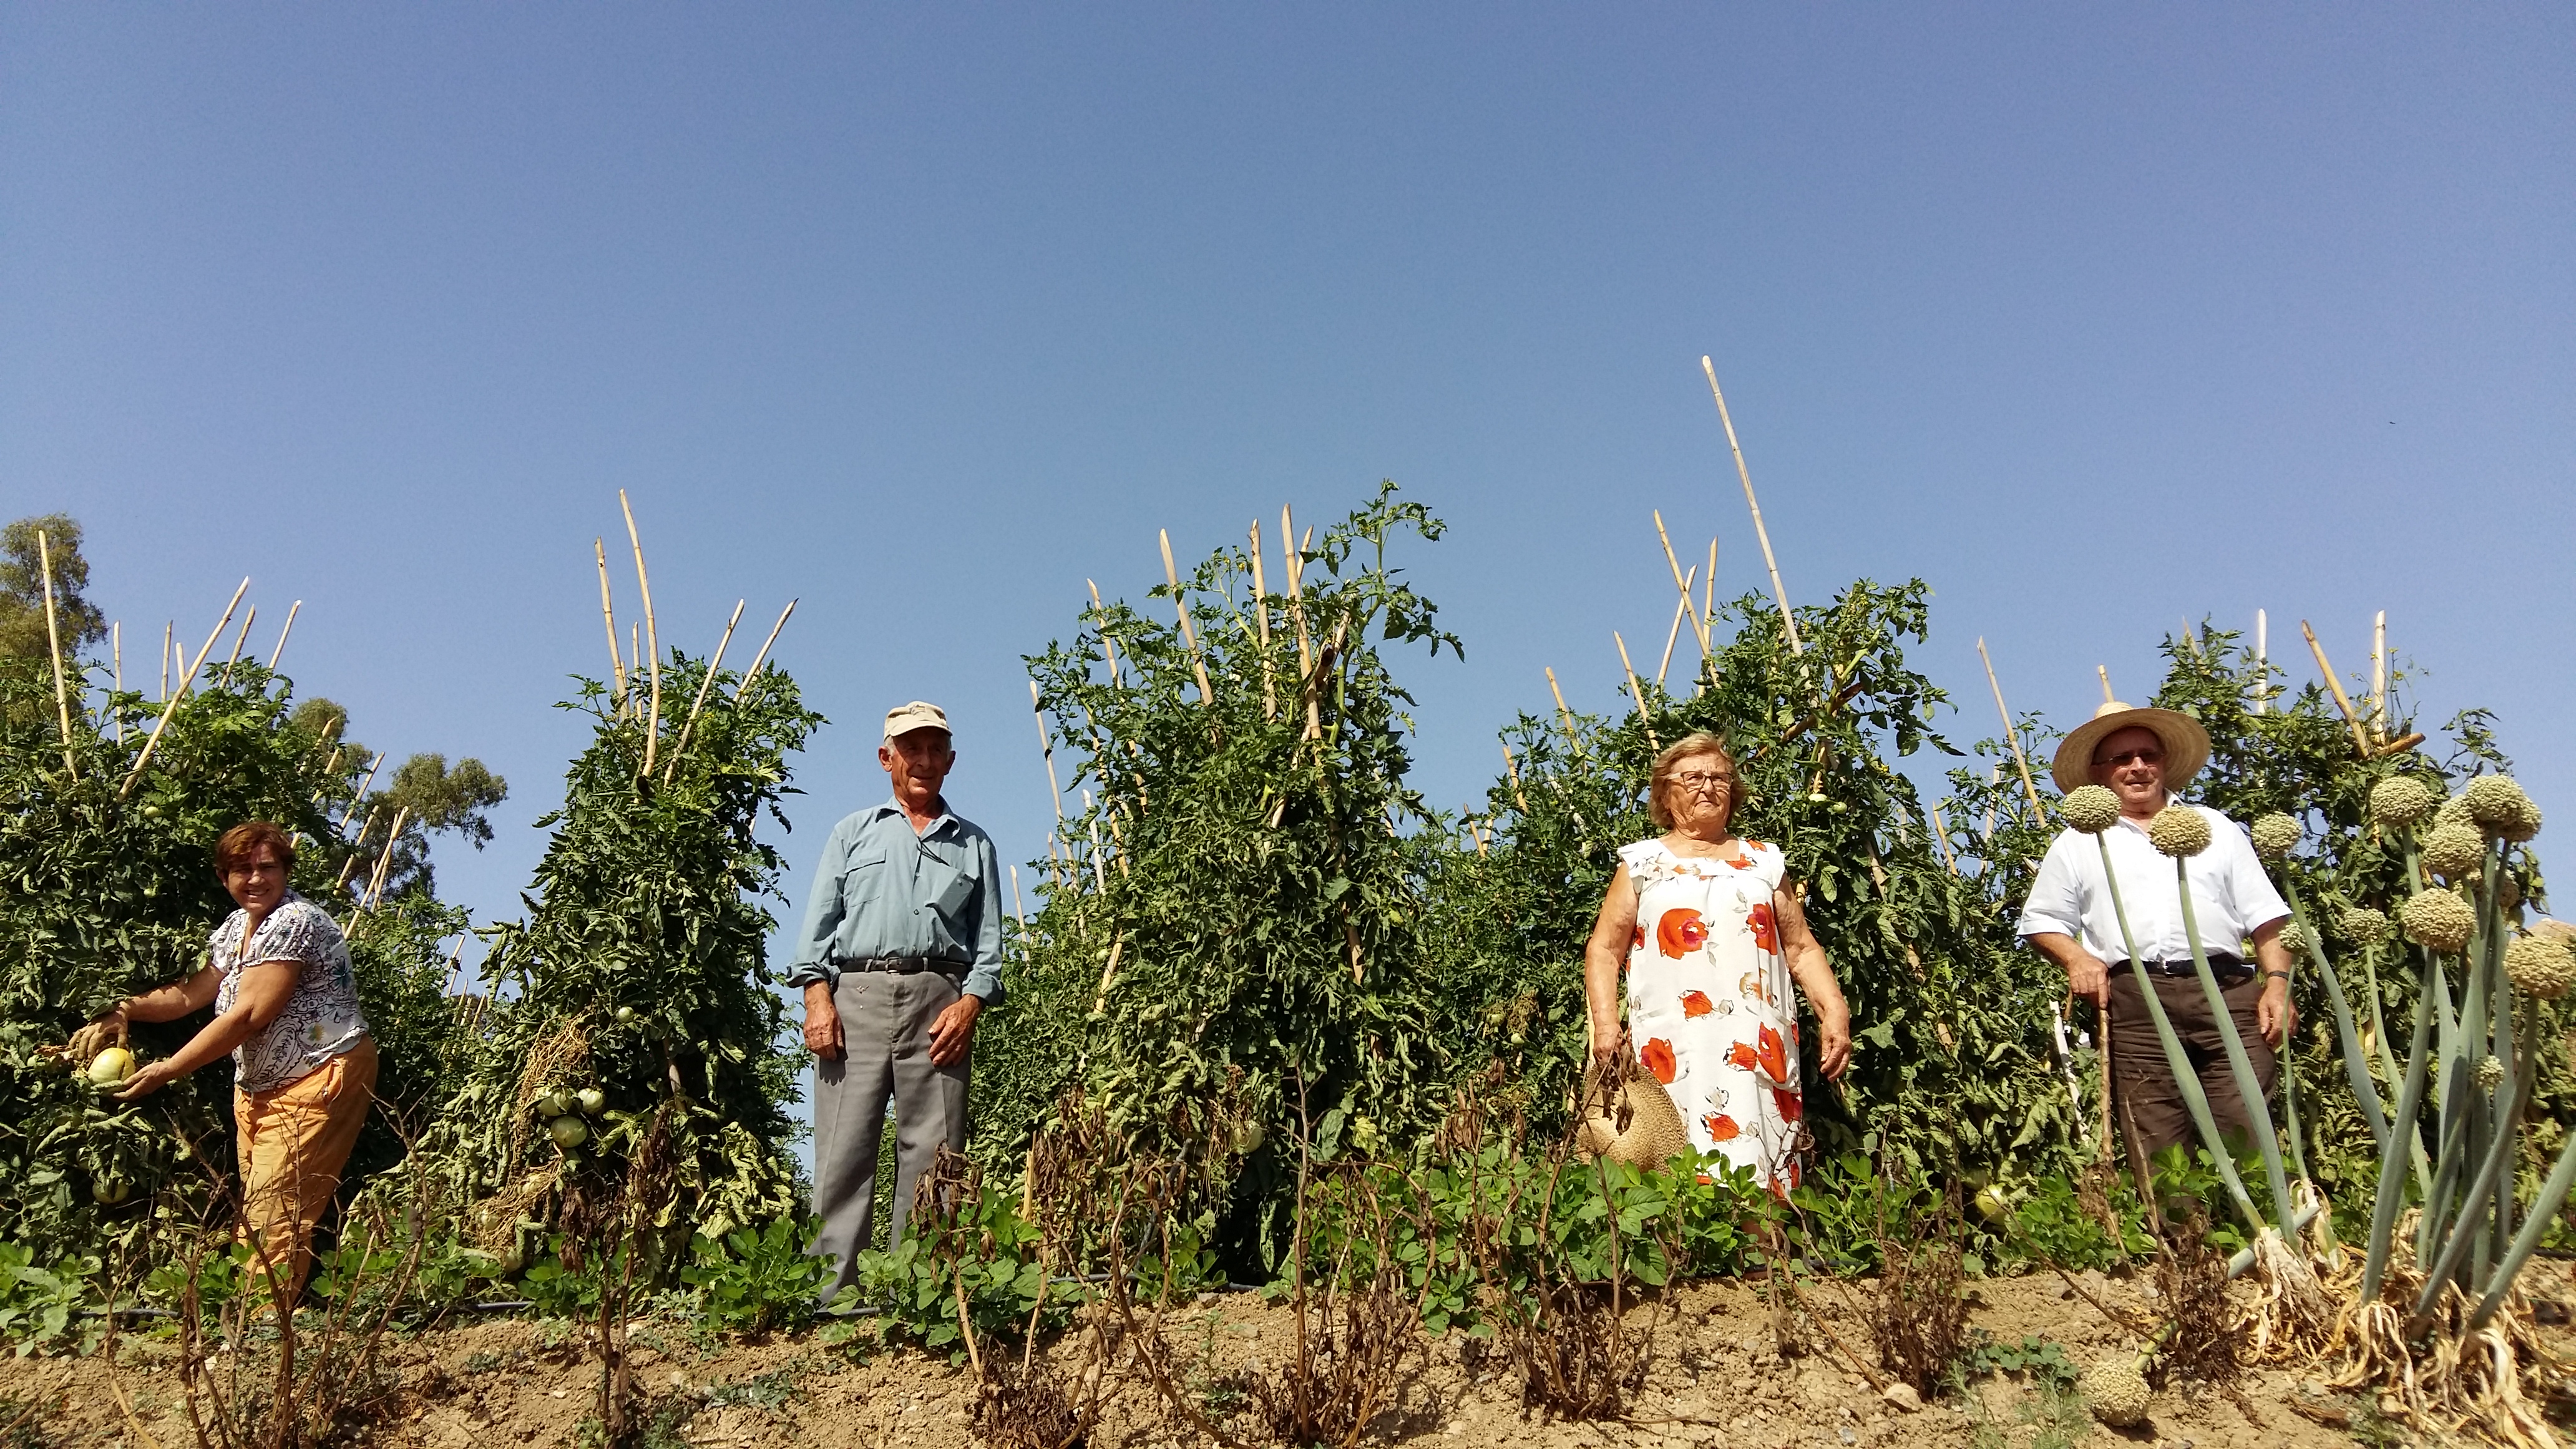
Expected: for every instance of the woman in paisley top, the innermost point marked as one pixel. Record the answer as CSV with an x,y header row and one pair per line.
x,y
1710,936
286,1008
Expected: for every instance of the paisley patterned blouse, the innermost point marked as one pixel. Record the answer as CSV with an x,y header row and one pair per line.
x,y
321,1019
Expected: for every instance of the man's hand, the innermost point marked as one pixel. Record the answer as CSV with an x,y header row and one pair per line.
x,y
822,1022
953,1034
2274,1016
2087,977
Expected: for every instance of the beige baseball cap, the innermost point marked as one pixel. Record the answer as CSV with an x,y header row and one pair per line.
x,y
919,715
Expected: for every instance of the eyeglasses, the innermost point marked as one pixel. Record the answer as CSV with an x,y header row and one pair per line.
x,y
2143,757
1703,780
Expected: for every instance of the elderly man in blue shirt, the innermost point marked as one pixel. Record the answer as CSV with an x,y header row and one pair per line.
x,y
901,949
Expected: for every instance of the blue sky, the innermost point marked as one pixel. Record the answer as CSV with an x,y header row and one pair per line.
x,y
924,316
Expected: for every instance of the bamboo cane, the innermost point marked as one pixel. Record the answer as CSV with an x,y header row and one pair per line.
x,y
1109,972
360,798
2360,740
279,652
1261,627
1189,632
2038,811
2189,641
608,621
762,657
1637,693
1018,908
385,859
1046,748
2263,662
671,770
1681,610
54,645
1565,718
1108,649
1513,766
652,636
2379,677
238,641
1708,584
1779,591
2107,697
635,652
172,703
1296,565
166,630
116,675
1699,627
1941,838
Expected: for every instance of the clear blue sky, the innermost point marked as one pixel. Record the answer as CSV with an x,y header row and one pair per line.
x,y
2093,319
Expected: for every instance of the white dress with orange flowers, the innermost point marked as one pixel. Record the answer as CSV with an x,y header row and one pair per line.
x,y
1709,1008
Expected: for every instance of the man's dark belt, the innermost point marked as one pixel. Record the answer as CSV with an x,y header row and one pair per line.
x,y
907,965
2221,965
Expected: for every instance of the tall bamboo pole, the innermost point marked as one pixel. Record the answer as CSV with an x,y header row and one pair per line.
x,y
1681,610
172,703
1296,566
2360,739
1108,647
1046,747
1708,584
364,786
54,646
279,652
1699,626
385,858
762,657
1780,592
1941,838
2038,811
2263,662
608,620
671,771
652,636
1564,717
2379,678
168,628
1645,716
1261,627
2106,684
238,641
1189,633
116,674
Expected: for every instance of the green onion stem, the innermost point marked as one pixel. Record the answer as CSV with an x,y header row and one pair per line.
x,y
2258,1108
2391,1193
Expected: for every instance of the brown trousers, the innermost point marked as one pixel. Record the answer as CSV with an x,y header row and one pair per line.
x,y
2144,1080
294,1141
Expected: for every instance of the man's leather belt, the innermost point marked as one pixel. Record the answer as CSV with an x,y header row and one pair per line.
x,y
908,965
2221,964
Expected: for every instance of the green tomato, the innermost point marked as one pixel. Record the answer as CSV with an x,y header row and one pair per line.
x,y
568,1132
625,1014
551,1103
593,1101
1992,1204
111,1067
111,1190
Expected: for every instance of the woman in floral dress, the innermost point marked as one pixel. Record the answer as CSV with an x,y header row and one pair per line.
x,y
1710,935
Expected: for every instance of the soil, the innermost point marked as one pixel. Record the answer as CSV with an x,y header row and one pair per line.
x,y
1718,1376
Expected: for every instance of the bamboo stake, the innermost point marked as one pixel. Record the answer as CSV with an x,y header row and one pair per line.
x,y
1018,908
2263,662
1941,838
279,652
652,636
2039,812
671,770
608,621
635,651
385,858
1779,592
1046,747
360,798
1261,626
170,705
2360,741
116,674
2107,696
1514,767
2188,641
1708,584
54,644
1109,972
1564,718
1297,612
167,629
1108,649
1699,627
1189,633
1644,715
2379,677
238,641
1672,636
762,657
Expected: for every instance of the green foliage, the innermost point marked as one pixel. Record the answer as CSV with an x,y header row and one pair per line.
x,y
987,1252
51,1309
2039,1361
77,622
2051,1224
1240,859
641,971
753,1280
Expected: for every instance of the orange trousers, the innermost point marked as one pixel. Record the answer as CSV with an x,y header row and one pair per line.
x,y
294,1141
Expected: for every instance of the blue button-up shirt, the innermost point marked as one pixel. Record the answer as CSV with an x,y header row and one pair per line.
x,y
882,890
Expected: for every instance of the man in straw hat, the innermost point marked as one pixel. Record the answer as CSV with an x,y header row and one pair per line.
x,y
901,949
2144,756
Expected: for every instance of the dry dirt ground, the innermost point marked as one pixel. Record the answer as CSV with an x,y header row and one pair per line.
x,y
1717,1378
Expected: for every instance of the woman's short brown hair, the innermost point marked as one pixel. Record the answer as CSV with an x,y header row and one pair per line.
x,y
1668,764
240,846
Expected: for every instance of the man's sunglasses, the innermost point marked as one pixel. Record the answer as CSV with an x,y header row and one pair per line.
x,y
2143,757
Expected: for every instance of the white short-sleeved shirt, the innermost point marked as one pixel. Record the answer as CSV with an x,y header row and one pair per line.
x,y
2231,896
321,1019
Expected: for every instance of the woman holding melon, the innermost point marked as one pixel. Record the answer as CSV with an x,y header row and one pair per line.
x,y
1710,935
286,1009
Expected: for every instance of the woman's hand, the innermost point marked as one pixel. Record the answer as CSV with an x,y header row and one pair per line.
x,y
1607,1038
150,1078
105,1030
1833,1044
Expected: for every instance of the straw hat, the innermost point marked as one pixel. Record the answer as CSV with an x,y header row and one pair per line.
x,y
2186,744
1633,1121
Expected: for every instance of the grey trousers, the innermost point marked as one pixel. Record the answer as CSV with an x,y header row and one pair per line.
x,y
885,1027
